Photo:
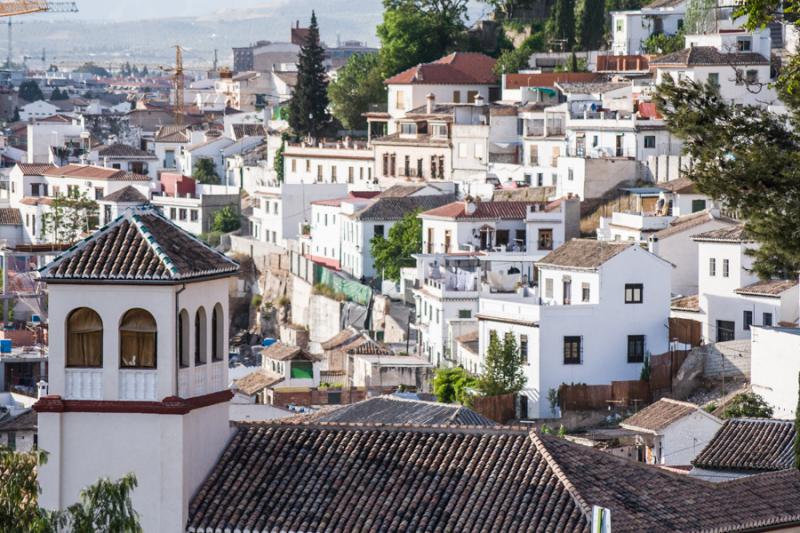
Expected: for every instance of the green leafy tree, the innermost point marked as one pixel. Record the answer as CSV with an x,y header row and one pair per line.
x,y
394,251
592,24
58,95
507,9
69,217
358,84
226,220
747,404
561,26
105,506
747,158
93,69
661,43
701,16
30,91
278,164
516,59
419,31
205,171
453,385
308,109
502,372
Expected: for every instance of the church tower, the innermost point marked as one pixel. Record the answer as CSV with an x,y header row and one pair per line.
x,y
138,366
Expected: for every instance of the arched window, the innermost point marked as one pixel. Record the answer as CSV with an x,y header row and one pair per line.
x,y
137,340
84,339
183,339
200,338
217,336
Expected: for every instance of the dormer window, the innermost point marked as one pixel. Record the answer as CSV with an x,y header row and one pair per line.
x,y
84,339
137,337
408,128
439,130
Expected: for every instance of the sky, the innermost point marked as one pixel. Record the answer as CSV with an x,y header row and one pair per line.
x,y
145,9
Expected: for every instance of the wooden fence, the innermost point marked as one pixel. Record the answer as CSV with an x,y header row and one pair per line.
x,y
498,408
686,331
582,397
663,369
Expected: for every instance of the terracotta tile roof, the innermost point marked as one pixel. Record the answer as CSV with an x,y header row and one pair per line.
x,y
283,352
549,79
361,477
483,211
759,444
28,420
590,87
91,172
355,342
127,195
659,415
397,208
249,130
36,200
394,410
401,191
34,169
10,216
256,382
172,134
458,68
469,337
339,339
687,222
141,246
583,253
736,233
686,303
679,186
708,55
123,150
773,287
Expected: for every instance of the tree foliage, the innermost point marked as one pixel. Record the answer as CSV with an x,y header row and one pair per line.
x,y
516,59
30,91
452,385
661,43
747,404
105,506
561,25
419,31
394,251
93,69
308,109
68,217
507,9
502,373
358,84
592,24
57,94
226,220
205,171
746,157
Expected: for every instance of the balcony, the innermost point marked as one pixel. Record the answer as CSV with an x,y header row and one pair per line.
x,y
640,221
83,384
195,381
138,385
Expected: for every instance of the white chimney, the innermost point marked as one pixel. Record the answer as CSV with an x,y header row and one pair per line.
x,y
470,206
41,388
479,101
105,161
431,98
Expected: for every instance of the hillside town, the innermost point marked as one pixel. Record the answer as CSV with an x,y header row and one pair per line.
x,y
538,271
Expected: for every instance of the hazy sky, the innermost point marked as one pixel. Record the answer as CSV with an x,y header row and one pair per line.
x,y
143,9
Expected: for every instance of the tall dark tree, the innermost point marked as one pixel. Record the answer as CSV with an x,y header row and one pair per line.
x,y
30,91
308,110
561,25
592,24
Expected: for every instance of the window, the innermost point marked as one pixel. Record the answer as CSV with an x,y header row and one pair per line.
x,y
464,313
333,174
566,293
439,130
636,348
400,100
634,293
751,76
726,330
649,141
173,213
744,44
308,165
698,205
620,25
379,230
193,215
747,320
408,128
548,288
84,339
767,319
137,340
713,79
570,174
572,350
726,265
534,155
456,97
712,267
183,339
540,179
36,189
302,370
107,214
585,292
99,193
545,239
319,172
294,165
181,214
350,174
523,349
200,336
217,334
471,95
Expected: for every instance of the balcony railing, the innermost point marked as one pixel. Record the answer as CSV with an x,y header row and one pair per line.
x,y
140,385
83,384
194,381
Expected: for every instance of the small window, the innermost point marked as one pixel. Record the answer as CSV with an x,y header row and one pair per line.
x,y
747,320
751,77
712,267
744,44
548,288
634,293
570,174
649,141
464,313
767,319
200,338
137,340
698,205
99,193
713,79
545,239
636,348
620,25
400,100
84,339
572,350
408,128
585,292
217,334
181,214
471,96
456,97
726,264
523,349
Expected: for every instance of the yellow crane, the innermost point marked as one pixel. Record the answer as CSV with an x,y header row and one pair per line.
x,y
180,82
25,7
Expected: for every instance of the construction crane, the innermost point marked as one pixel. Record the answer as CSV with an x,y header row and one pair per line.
x,y
10,9
180,82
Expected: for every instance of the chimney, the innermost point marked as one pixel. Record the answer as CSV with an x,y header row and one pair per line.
x,y
41,389
431,103
479,100
470,206
105,161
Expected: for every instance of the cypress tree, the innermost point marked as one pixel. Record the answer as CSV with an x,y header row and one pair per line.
x,y
562,23
592,24
308,110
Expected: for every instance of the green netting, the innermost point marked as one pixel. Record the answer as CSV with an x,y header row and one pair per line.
x,y
353,290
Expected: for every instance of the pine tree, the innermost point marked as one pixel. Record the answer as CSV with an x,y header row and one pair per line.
x,y
562,23
592,24
503,367
308,110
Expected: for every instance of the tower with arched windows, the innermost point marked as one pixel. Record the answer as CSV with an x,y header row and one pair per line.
x,y
138,316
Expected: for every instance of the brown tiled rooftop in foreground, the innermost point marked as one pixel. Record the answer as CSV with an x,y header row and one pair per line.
x,y
750,444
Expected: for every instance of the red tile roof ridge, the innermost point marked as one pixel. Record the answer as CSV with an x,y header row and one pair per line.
x,y
560,474
366,426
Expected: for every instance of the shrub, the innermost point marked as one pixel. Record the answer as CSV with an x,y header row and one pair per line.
x,y
747,404
256,301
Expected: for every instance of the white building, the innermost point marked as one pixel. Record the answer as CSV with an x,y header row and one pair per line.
x,y
598,310
326,235
168,144
195,212
124,157
57,140
672,433
775,365
347,162
148,365
630,29
38,109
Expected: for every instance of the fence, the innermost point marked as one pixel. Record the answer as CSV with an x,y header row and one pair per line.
x,y
686,331
583,397
663,369
353,290
498,408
